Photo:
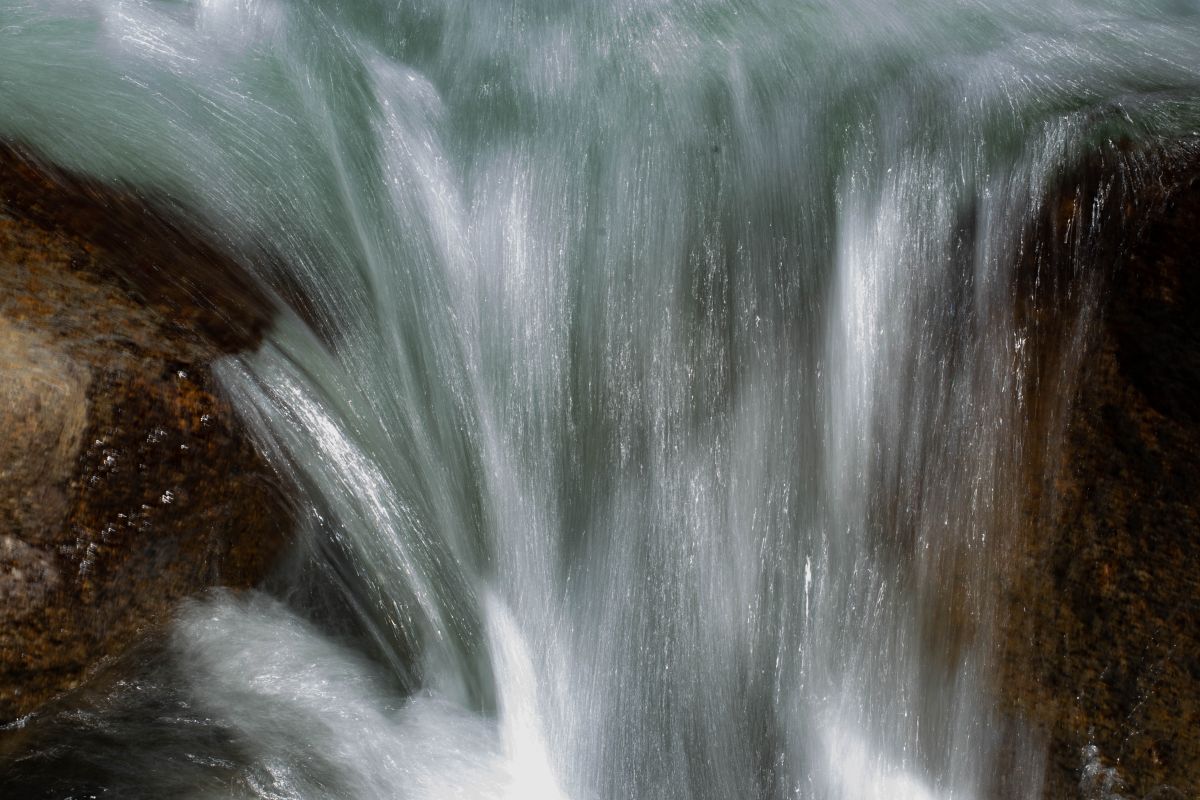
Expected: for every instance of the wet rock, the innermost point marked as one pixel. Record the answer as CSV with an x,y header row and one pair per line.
x,y
126,482
1103,640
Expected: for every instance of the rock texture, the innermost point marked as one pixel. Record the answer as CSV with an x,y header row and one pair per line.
x,y
126,482
1103,646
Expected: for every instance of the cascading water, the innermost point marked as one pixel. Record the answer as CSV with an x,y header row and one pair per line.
x,y
658,392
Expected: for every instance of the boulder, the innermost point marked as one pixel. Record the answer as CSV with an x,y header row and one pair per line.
x,y
1103,631
126,480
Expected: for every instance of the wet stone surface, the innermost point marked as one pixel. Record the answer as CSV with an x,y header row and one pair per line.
x,y
126,482
1103,643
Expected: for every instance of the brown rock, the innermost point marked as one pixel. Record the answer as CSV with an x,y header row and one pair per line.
x,y
126,481
1103,643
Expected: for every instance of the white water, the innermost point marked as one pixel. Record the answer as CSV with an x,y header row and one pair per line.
x,y
662,416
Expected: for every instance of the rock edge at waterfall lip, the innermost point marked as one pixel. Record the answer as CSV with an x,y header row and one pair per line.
x,y
159,252
128,480
1102,653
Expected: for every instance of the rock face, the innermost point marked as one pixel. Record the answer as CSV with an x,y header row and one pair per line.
x,y
1104,635
126,482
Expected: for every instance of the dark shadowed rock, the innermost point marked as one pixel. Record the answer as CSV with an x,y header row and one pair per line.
x,y
1103,646
126,482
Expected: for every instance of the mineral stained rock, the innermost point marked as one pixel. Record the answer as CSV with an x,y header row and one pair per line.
x,y
126,482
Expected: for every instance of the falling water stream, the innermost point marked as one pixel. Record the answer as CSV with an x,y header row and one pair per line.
x,y
656,399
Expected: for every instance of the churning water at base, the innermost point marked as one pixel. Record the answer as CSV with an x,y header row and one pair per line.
x,y
658,390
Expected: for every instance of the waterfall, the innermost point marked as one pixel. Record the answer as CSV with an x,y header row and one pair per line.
x,y
657,395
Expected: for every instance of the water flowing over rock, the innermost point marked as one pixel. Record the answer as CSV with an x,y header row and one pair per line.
x,y
126,481
676,398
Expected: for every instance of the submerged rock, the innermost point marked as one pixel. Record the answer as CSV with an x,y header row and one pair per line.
x,y
1103,643
126,481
